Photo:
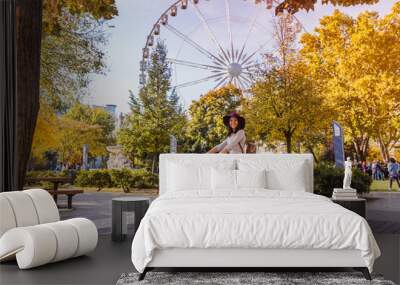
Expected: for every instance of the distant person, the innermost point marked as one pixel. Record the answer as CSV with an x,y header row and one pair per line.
x,y
379,171
236,140
394,172
374,167
369,168
364,167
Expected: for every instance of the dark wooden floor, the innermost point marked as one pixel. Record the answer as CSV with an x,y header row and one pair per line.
x,y
103,266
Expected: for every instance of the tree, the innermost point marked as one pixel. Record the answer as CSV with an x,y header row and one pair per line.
x,y
155,115
73,39
355,63
206,128
54,9
69,55
67,134
47,133
94,116
285,106
293,6
73,136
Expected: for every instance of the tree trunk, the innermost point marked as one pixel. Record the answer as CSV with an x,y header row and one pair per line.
x,y
288,138
311,150
383,148
28,40
153,164
361,146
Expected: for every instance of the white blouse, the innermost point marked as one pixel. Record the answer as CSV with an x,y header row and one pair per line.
x,y
231,143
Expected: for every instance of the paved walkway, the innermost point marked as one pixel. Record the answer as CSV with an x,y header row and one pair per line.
x,y
383,210
94,206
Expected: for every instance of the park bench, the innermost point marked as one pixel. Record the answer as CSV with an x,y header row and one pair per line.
x,y
69,192
55,191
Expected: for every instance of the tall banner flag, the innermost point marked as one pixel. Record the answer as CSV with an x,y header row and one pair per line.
x,y
338,144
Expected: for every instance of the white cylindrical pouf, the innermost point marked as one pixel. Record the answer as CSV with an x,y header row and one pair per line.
x,y
46,208
23,208
67,239
34,246
87,235
7,218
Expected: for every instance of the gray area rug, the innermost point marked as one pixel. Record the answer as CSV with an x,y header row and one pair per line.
x,y
233,278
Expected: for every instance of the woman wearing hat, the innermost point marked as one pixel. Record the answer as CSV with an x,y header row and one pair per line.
x,y
236,140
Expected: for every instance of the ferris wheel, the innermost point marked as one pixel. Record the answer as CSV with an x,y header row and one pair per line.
x,y
214,42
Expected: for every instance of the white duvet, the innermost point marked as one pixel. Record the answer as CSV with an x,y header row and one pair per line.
x,y
250,219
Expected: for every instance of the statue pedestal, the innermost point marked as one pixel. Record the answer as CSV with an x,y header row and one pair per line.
x,y
344,194
117,159
347,190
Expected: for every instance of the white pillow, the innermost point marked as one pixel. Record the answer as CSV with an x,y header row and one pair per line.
x,y
251,178
190,175
183,178
282,174
223,179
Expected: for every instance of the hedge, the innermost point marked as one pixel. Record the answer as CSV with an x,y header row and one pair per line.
x,y
328,177
48,173
325,179
122,178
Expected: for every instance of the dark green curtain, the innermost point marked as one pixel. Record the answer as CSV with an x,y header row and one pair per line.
x,y
20,38
8,178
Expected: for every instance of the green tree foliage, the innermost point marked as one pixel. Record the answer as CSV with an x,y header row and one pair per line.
x,y
72,135
206,128
69,57
94,116
54,9
155,114
73,40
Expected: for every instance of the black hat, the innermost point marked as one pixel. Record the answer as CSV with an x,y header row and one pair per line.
x,y
240,119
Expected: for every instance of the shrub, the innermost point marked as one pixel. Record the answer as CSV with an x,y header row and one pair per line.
x,y
133,178
98,178
46,173
122,178
101,178
143,179
328,177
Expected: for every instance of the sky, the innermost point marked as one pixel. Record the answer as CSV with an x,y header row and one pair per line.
x,y
129,30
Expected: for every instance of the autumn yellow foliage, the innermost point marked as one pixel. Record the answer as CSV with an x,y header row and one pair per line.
x,y
356,64
66,136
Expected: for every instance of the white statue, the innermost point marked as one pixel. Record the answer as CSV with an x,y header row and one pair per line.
x,y
347,173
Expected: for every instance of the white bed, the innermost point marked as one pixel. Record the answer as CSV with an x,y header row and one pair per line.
x,y
197,224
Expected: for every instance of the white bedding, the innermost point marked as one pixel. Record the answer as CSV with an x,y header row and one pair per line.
x,y
250,219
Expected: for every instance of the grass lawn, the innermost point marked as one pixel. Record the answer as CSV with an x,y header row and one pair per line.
x,y
382,185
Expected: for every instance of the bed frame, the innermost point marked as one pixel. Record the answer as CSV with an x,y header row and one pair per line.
x,y
242,259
